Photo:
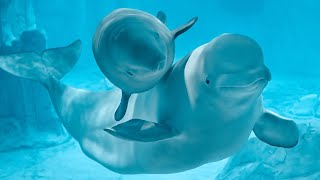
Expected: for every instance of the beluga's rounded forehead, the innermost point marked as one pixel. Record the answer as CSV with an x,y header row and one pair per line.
x,y
233,53
228,61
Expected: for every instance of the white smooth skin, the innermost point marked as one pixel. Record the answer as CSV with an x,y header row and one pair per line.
x,y
213,119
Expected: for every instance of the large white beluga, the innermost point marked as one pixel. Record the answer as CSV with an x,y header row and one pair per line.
x,y
202,110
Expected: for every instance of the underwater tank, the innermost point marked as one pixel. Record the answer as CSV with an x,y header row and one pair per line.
x,y
58,120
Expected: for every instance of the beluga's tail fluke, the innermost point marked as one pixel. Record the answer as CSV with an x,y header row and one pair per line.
x,y
54,62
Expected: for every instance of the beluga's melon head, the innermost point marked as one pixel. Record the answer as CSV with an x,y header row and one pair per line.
x,y
134,49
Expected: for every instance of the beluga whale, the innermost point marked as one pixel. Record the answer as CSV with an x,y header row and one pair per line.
x,y
134,49
202,110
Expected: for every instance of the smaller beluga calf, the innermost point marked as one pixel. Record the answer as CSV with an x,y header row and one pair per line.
x,y
134,49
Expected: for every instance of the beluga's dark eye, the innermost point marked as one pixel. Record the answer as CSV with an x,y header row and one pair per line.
x,y
207,81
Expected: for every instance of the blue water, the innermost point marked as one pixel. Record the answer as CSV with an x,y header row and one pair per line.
x,y
34,144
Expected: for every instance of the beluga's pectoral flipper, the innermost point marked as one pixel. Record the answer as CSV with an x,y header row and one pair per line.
x,y
276,130
177,32
143,131
134,50
122,108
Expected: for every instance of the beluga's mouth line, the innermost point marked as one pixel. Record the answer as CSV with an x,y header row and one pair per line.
x,y
248,85
244,79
